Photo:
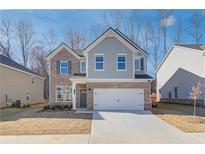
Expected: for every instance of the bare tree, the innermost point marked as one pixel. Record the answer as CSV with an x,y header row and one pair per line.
x,y
164,16
113,18
132,26
178,33
196,94
75,39
5,38
24,35
196,30
49,40
145,35
97,30
155,41
40,65
38,58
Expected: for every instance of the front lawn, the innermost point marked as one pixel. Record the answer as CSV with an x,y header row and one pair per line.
x,y
13,110
36,122
181,117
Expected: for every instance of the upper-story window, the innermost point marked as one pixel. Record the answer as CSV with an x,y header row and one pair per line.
x,y
32,78
121,62
99,62
82,67
139,64
65,67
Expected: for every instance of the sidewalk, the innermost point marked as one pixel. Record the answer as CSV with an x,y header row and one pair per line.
x,y
46,139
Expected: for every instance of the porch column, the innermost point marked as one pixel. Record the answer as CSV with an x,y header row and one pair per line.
x,y
74,95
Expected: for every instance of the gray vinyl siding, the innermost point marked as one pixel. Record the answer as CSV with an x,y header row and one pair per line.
x,y
110,47
184,80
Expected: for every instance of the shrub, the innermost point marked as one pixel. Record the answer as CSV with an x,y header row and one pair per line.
x,y
13,104
46,107
55,106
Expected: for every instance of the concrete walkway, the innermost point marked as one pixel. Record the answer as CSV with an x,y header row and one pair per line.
x,y
135,127
46,139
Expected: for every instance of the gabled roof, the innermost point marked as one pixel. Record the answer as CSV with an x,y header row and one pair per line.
x,y
110,32
10,63
77,53
130,41
196,47
192,46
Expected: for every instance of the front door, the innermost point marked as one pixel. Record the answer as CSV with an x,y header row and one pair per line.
x,y
83,98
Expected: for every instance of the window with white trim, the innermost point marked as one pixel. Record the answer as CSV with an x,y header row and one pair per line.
x,y
59,93
99,62
121,62
82,67
68,94
137,64
27,96
63,67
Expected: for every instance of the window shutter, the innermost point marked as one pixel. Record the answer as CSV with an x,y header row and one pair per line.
x,y
142,64
58,67
69,67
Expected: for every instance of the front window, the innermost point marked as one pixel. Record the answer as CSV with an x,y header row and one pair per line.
x,y
59,93
68,93
99,62
63,67
121,62
83,67
137,64
27,96
32,79
176,92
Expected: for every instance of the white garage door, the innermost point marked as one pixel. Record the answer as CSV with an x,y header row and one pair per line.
x,y
118,99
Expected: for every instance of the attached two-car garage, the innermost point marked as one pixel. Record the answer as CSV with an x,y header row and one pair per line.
x,y
118,99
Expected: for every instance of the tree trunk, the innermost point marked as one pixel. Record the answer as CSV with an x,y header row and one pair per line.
x,y
194,107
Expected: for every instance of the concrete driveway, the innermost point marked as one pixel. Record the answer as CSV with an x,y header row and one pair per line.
x,y
118,127
135,127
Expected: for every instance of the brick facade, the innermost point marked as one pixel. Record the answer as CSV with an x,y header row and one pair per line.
x,y
64,80
61,80
145,85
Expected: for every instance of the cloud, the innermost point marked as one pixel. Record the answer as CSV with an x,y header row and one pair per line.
x,y
169,21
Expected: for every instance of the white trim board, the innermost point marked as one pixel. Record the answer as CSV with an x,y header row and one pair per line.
x,y
22,71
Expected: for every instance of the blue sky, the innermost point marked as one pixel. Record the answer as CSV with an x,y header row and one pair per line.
x,y
63,20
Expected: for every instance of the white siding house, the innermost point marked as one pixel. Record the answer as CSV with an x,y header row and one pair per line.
x,y
179,71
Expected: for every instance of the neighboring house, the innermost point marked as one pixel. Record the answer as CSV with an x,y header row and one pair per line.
x,y
19,83
179,71
110,74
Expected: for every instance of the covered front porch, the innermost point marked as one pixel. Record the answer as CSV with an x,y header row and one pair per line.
x,y
79,93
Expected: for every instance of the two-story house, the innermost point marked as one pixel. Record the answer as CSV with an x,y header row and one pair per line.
x,y
109,74
181,69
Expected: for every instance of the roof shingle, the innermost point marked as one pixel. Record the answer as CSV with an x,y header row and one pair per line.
x,y
193,46
7,61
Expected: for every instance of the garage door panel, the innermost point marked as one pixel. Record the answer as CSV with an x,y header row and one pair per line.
x,y
118,99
